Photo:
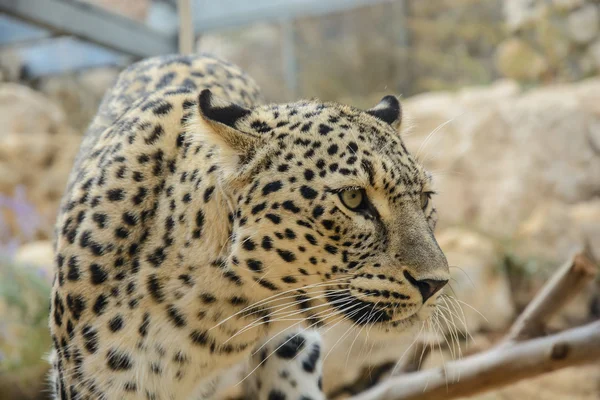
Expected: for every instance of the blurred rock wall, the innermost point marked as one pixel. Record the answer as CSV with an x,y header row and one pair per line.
x,y
550,40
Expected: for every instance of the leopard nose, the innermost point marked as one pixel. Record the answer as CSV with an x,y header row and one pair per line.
x,y
427,287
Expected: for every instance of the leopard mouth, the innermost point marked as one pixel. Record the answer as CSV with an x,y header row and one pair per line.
x,y
358,311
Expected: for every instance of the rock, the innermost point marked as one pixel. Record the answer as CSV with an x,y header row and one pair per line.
x,y
559,32
477,280
79,93
594,136
554,230
516,59
594,53
23,110
567,5
34,168
502,89
550,38
588,93
495,160
584,23
519,14
585,65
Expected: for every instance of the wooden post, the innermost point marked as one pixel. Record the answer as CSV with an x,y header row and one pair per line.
x,y
186,28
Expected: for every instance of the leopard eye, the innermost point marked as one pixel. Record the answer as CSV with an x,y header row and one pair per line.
x,y
425,197
354,199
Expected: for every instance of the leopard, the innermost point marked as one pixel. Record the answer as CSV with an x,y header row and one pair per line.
x,y
204,231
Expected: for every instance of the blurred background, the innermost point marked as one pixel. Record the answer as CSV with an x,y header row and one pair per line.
x,y
502,104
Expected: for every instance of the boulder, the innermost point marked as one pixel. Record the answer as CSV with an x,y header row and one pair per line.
x,y
559,35
23,110
519,14
79,93
516,59
34,168
496,154
567,5
554,230
594,53
584,23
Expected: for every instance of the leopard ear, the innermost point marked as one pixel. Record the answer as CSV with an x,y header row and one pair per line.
x,y
388,110
219,123
222,118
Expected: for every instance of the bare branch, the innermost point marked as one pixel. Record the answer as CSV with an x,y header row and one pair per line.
x,y
556,293
494,368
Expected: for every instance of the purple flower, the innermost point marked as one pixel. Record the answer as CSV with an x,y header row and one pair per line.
x,y
29,221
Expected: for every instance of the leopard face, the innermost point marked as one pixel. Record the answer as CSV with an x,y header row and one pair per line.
x,y
330,212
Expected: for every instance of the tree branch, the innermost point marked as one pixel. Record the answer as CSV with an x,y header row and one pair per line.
x,y
499,366
556,293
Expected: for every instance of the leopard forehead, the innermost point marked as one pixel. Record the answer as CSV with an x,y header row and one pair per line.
x,y
328,146
324,122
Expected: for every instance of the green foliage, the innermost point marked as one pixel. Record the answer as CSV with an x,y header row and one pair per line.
x,y
24,302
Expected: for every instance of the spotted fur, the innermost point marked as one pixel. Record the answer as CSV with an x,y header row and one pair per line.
x,y
198,222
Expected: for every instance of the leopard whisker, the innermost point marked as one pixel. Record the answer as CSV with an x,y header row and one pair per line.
x,y
254,324
409,347
436,320
453,314
430,137
274,297
296,302
324,294
436,326
427,343
457,306
352,345
344,335
291,303
293,312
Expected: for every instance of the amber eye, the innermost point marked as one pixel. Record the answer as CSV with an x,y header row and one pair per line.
x,y
425,197
354,199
